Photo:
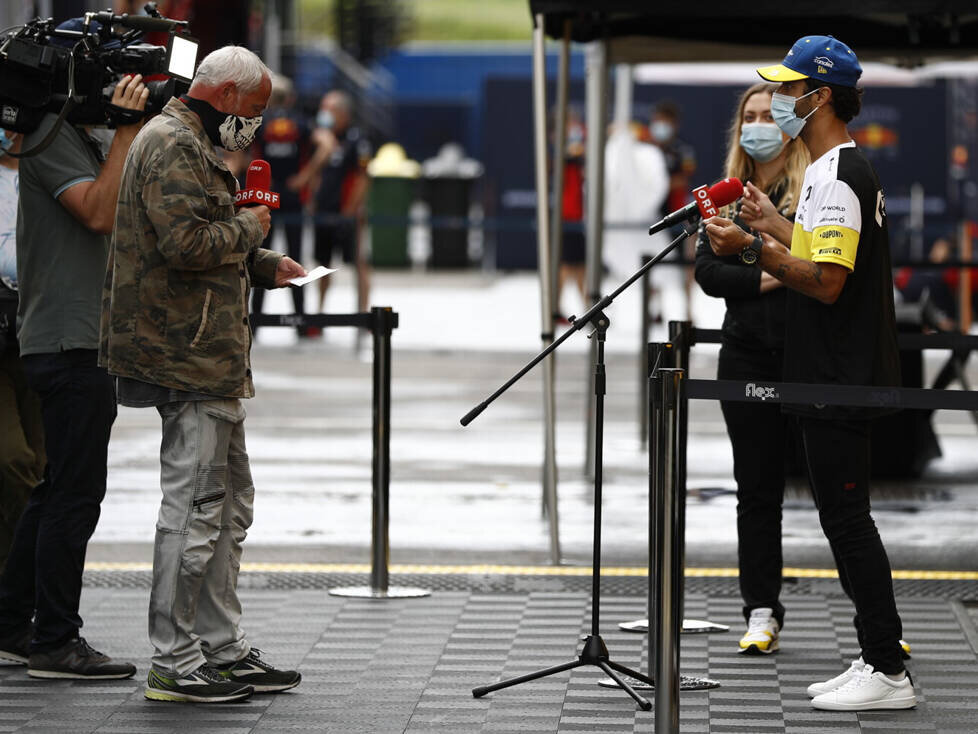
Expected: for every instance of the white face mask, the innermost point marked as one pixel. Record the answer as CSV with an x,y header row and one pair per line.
x,y
662,131
783,112
237,133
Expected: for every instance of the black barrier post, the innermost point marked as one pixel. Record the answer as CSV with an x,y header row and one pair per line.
x,y
674,353
381,321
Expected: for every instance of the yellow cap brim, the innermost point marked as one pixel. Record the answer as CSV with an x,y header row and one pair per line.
x,y
780,73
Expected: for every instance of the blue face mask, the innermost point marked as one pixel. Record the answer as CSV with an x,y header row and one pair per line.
x,y
324,118
762,141
783,112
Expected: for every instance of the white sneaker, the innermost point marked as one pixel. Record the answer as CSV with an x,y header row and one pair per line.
x,y
868,690
817,689
761,637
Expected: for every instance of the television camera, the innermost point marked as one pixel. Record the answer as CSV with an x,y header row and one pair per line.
x,y
71,69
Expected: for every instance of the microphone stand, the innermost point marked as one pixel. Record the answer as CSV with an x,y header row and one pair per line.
x,y
594,651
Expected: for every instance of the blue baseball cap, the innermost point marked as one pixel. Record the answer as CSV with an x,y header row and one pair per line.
x,y
816,57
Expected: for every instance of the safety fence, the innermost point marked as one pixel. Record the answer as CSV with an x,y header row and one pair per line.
x,y
669,391
380,322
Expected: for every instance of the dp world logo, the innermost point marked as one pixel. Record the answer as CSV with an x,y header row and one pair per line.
x,y
759,391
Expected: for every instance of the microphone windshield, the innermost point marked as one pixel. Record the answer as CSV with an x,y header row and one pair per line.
x,y
260,176
722,192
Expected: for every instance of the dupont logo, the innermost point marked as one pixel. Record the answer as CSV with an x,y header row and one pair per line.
x,y
761,392
829,234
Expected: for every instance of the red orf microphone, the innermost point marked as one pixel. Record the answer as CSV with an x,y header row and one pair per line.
x,y
257,182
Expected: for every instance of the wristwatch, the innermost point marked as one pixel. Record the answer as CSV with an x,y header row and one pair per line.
x,y
751,254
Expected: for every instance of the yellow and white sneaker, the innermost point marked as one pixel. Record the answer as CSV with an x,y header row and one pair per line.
x,y
761,637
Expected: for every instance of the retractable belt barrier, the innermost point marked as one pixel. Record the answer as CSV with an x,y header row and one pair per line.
x,y
669,391
380,321
683,336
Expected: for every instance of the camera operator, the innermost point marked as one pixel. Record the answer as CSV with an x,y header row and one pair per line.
x,y
175,332
67,205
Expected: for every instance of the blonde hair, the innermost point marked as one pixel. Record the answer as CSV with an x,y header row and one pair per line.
x,y
741,165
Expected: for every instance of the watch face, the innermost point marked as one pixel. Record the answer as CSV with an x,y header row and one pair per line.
x,y
748,256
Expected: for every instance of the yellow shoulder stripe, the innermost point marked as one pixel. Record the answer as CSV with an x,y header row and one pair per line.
x,y
835,244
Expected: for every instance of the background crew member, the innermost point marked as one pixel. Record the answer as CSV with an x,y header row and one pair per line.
x,y
21,429
752,348
337,172
175,331
841,329
283,141
67,206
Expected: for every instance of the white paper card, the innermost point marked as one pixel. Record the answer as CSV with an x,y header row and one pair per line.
x,y
314,274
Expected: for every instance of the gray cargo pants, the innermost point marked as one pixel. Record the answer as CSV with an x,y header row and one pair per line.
x,y
208,505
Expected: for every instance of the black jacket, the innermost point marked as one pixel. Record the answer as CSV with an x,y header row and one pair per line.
x,y
754,321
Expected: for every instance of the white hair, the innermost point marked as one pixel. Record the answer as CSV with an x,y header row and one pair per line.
x,y
232,64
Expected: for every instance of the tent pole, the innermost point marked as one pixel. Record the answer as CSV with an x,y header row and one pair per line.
x,y
544,266
596,91
557,162
560,144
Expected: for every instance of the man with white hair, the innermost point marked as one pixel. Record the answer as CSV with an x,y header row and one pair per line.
x,y
175,333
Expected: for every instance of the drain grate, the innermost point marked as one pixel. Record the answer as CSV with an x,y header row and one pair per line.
x,y
966,591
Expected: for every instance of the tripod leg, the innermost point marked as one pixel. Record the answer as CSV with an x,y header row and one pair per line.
x,y
483,690
628,671
642,702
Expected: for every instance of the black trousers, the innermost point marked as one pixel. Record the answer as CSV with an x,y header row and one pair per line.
x,y
758,433
43,575
293,248
837,454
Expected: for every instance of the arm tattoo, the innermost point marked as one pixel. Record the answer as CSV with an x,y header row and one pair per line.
x,y
813,271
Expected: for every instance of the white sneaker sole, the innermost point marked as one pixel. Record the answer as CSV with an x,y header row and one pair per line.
x,y
903,702
157,694
12,658
60,675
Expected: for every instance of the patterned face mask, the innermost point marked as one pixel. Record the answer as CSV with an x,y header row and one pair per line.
x,y
231,132
237,133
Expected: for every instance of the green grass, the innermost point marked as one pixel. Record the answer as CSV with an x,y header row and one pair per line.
x,y
437,20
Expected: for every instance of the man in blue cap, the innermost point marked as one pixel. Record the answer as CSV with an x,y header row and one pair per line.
x,y
841,330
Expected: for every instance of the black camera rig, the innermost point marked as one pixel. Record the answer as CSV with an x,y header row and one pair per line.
x,y
71,69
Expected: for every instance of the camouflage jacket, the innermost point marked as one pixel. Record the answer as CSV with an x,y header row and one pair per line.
x,y
181,261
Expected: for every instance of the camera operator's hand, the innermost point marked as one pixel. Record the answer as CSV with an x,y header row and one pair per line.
x,y
131,94
264,215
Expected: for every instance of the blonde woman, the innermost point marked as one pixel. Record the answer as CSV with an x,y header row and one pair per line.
x,y
753,348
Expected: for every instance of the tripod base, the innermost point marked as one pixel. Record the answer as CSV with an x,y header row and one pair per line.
x,y
369,592
595,652
690,626
686,683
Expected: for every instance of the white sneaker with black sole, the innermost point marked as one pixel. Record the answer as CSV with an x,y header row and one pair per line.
x,y
762,633
868,690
